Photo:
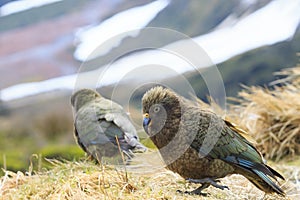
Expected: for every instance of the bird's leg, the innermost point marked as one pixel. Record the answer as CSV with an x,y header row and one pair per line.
x,y
90,157
208,181
205,183
139,149
197,191
128,153
97,158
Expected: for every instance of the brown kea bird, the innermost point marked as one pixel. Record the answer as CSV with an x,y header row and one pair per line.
x,y
102,127
199,145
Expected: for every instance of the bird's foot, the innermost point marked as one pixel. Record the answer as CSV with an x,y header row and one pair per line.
x,y
139,150
129,154
208,181
194,192
197,191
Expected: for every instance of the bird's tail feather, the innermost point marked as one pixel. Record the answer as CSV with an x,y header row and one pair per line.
x,y
275,172
264,182
259,174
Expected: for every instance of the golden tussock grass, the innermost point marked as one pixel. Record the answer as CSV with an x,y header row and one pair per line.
x,y
86,180
272,116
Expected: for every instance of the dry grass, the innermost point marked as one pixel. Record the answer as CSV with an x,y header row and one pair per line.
x,y
85,180
272,116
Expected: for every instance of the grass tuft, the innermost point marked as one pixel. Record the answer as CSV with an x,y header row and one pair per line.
x,y
271,116
87,180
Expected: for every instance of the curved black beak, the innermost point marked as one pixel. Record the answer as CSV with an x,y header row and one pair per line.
x,y
146,121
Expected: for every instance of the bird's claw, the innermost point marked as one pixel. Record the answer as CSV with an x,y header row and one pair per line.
x,y
194,192
128,153
222,187
208,181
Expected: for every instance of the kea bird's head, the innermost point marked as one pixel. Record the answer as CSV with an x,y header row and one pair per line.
x,y
160,105
83,96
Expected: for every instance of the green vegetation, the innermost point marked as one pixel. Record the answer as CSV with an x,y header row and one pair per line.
x,y
17,150
42,127
14,150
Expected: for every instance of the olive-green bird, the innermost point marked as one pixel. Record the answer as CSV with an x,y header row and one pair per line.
x,y
199,145
102,126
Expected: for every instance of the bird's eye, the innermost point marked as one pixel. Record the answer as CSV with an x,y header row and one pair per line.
x,y
156,109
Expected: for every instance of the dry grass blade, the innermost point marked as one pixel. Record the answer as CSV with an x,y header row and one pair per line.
x,y
272,116
85,180
67,180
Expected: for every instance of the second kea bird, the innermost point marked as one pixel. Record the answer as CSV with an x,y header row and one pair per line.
x,y
201,146
102,126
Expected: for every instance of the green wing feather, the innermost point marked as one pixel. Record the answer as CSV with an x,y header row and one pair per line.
x,y
233,148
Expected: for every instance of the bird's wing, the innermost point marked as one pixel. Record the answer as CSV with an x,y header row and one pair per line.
x,y
129,132
97,135
92,130
112,111
103,121
240,131
228,145
236,150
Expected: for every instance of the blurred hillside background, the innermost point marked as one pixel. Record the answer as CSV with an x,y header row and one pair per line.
x,y
43,46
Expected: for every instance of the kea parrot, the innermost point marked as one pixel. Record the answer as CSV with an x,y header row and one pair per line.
x,y
201,146
102,127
